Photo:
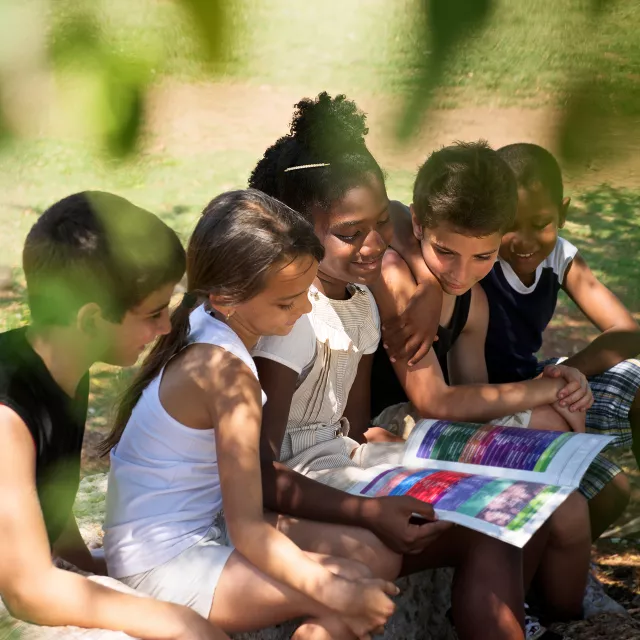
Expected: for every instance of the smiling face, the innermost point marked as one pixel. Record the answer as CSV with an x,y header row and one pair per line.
x,y
458,261
125,341
275,310
534,233
355,232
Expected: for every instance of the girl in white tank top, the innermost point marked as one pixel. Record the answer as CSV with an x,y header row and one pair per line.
x,y
185,447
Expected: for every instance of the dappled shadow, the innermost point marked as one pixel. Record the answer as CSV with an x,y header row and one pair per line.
x,y
604,223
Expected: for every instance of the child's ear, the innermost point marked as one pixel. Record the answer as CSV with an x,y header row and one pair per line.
x,y
417,227
88,318
223,309
564,208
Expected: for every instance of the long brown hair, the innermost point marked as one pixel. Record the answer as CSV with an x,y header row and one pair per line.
x,y
238,238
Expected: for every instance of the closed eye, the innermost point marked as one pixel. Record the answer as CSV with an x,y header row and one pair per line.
x,y
347,238
286,307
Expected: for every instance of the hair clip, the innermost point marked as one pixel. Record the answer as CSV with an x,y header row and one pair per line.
x,y
308,166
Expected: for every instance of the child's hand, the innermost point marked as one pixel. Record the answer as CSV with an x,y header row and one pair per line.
x,y
576,394
378,434
577,420
411,334
366,605
390,518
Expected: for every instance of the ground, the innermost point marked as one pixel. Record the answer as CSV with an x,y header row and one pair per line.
x,y
204,136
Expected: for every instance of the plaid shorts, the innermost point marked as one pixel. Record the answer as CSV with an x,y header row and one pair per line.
x,y
613,394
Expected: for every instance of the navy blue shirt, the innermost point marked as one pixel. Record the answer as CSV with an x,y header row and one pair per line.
x,y
518,315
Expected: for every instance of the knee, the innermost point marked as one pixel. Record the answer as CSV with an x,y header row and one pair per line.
x,y
480,549
569,525
382,562
348,569
545,417
619,493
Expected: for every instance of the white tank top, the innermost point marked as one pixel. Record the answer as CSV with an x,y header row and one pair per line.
x,y
164,486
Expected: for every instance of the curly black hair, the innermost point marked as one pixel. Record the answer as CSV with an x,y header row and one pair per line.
x,y
327,131
469,186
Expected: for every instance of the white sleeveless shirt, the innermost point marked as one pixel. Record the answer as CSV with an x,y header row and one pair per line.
x,y
164,487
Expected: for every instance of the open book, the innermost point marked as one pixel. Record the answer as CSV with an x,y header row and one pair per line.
x,y
502,481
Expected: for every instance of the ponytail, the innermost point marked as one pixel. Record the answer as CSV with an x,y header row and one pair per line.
x,y
165,348
239,237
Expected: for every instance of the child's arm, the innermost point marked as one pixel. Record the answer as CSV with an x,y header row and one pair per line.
x,y
34,590
235,407
467,365
289,492
411,334
465,360
71,547
620,337
424,384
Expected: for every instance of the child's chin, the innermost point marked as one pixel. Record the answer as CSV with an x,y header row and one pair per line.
x,y
283,331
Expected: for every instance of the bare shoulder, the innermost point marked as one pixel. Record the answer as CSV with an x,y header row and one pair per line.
x,y
206,367
396,272
478,310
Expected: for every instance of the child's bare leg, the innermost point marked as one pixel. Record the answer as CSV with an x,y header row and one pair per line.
x,y
606,507
341,541
322,629
546,418
562,573
488,594
266,602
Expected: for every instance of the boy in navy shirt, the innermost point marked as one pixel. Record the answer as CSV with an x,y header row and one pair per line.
x,y
534,263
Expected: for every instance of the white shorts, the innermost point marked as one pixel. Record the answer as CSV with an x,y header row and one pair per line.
x,y
191,577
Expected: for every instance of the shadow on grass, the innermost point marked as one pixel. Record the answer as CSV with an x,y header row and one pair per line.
x,y
609,238
604,223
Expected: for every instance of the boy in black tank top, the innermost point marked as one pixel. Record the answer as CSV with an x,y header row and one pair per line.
x,y
464,199
100,273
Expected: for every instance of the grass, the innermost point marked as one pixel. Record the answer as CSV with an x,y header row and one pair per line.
x,y
527,53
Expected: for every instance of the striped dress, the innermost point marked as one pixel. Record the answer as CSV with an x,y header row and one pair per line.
x,y
325,348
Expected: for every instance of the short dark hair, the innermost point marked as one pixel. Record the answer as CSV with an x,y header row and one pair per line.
x,y
330,134
97,247
468,186
532,164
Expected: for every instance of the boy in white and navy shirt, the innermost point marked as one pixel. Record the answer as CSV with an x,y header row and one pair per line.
x,y
534,264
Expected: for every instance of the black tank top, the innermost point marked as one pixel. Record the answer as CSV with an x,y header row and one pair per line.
x,y
385,386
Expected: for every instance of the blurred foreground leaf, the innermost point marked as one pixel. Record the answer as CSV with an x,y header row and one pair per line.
x,y
445,26
210,19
